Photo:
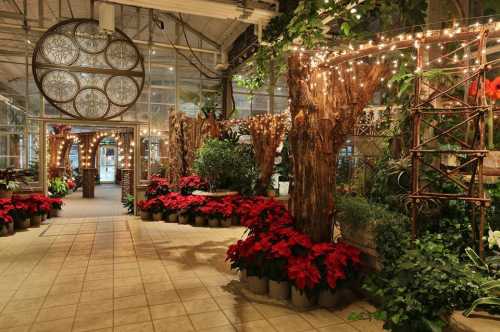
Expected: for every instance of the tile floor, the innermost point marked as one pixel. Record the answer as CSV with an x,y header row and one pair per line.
x,y
121,274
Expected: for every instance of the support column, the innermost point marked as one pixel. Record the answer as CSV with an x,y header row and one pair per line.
x,y
88,182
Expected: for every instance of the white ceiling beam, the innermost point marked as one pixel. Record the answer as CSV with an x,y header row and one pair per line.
x,y
206,8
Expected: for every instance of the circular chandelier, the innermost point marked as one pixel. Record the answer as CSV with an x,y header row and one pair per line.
x,y
85,73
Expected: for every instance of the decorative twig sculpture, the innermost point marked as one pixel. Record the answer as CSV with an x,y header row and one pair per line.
x,y
268,132
324,106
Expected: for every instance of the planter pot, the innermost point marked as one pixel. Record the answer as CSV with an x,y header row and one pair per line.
x,y
44,216
172,217
4,230
284,185
300,299
213,222
243,276
35,220
279,290
54,213
199,221
183,219
10,228
226,222
235,221
22,224
146,216
257,285
157,216
327,298
5,194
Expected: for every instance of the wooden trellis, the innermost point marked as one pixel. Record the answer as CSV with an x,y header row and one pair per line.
x,y
468,134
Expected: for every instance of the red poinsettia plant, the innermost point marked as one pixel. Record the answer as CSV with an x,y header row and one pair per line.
x,y
157,187
491,88
153,205
56,203
71,184
7,210
262,213
189,205
5,218
188,184
171,202
214,208
39,204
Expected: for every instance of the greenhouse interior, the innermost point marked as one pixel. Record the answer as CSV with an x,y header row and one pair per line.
x,y
250,165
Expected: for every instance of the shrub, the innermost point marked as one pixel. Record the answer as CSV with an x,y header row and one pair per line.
x,y
58,188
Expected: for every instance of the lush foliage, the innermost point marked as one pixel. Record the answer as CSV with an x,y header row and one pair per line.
x,y
226,165
58,187
129,204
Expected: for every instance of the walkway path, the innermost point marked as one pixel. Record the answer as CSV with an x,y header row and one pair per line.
x,y
107,202
121,274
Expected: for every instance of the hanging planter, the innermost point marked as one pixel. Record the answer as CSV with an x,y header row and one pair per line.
x,y
258,285
279,290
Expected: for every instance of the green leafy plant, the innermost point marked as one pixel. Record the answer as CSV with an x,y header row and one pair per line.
x,y
58,187
129,204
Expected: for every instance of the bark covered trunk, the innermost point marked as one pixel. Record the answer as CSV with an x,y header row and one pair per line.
x,y
324,106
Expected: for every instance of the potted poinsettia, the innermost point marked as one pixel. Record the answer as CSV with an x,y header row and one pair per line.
x,y
21,214
305,277
155,206
258,249
40,207
171,203
55,207
188,184
6,223
277,268
188,205
216,211
157,187
144,210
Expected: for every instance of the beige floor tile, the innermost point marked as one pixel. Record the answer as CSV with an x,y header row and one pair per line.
x,y
209,320
61,325
90,285
28,304
128,291
124,282
94,307
169,296
187,294
65,288
199,306
30,293
321,317
290,323
24,328
130,302
255,326
17,318
158,286
139,327
131,315
242,314
230,301
61,299
187,283
93,321
94,295
338,328
271,311
225,328
54,313
167,310
374,325
174,324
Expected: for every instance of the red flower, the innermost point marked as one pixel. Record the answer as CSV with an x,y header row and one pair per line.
x,y
217,209
188,184
493,88
71,184
281,249
157,187
303,273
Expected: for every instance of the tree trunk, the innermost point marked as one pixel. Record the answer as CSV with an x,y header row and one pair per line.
x,y
324,107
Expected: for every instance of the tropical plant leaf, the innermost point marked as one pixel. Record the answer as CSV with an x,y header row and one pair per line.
x,y
491,285
495,301
478,262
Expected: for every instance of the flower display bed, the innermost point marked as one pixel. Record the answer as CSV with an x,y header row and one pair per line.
x,y
21,212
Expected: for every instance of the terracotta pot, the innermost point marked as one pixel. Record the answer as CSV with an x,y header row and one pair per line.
x,y
279,290
54,213
213,222
146,216
257,285
225,222
10,228
172,217
22,224
4,230
300,299
199,221
243,276
327,298
5,194
183,219
35,220
157,216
